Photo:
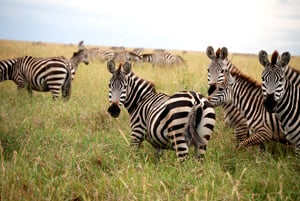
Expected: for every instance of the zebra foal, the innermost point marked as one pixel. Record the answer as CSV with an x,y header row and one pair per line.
x,y
166,122
215,76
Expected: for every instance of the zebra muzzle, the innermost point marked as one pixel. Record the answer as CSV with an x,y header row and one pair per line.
x,y
114,110
270,103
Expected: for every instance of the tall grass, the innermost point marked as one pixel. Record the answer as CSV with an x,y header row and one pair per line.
x,y
73,150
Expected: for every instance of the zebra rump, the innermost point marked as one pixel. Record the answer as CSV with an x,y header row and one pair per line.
x,y
196,130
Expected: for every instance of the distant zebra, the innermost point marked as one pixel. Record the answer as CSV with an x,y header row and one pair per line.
x,y
80,56
39,74
162,58
245,94
166,122
232,115
281,93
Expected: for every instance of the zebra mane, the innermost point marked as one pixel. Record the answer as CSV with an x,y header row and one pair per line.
x,y
274,58
77,53
218,53
239,74
134,77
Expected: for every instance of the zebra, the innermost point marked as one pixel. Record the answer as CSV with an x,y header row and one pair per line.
x,y
80,56
166,122
106,55
245,94
40,74
162,58
281,93
215,75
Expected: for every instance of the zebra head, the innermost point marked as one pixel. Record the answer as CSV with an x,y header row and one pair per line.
x,y
82,53
273,78
117,86
223,91
216,67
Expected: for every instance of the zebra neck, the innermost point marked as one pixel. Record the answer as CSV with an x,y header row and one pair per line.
x,y
241,96
74,62
292,75
137,90
231,67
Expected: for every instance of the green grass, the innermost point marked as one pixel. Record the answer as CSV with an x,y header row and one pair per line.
x,y
73,150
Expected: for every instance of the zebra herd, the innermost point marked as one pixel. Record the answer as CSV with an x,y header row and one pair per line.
x,y
257,113
158,57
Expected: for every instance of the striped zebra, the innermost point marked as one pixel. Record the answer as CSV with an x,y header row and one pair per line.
x,y
166,122
281,93
162,58
246,95
39,74
106,55
215,75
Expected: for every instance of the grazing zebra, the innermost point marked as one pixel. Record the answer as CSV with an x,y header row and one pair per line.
x,y
167,122
39,74
245,94
162,58
106,55
80,56
281,93
232,115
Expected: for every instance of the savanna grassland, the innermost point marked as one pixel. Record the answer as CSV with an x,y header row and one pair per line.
x,y
73,150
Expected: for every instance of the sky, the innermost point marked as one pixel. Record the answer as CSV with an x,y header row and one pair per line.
x,y
241,26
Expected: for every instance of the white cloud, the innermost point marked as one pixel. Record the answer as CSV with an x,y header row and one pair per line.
x,y
244,26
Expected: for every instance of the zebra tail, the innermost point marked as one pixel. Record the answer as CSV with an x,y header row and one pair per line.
x,y
66,88
191,134
201,122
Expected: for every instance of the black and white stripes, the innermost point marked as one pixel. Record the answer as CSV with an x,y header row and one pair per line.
x,y
281,92
167,122
39,74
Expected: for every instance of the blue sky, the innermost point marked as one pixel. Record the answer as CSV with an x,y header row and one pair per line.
x,y
241,26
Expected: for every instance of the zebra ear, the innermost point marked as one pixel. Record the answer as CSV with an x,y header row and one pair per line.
x,y
285,59
126,67
224,53
111,66
263,58
80,45
210,52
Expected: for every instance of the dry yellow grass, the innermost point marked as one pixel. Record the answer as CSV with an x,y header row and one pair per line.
x,y
57,150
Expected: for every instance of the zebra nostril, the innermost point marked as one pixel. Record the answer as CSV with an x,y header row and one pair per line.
x,y
114,110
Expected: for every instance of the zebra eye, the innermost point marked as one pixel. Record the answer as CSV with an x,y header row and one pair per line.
x,y
221,89
222,71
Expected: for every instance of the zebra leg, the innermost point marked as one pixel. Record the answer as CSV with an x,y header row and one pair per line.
x,y
179,145
136,139
236,120
29,89
260,137
297,150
